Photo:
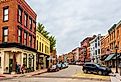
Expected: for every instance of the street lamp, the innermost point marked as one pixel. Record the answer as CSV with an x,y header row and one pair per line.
x,y
116,47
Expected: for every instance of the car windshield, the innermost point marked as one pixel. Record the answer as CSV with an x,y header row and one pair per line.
x,y
98,65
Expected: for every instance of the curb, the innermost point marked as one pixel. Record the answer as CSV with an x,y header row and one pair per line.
x,y
72,78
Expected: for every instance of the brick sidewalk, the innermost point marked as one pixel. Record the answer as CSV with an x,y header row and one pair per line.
x,y
5,76
115,77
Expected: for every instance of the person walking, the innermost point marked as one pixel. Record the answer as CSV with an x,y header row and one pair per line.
x,y
23,69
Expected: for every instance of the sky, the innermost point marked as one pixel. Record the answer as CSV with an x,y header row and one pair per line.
x,y
70,21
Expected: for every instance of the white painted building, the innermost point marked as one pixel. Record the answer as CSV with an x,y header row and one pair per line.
x,y
95,49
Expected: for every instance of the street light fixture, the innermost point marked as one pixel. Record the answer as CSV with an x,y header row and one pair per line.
x,y
116,47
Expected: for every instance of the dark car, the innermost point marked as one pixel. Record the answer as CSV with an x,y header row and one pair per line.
x,y
96,68
53,68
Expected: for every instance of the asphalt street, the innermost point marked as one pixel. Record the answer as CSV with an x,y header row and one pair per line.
x,y
65,75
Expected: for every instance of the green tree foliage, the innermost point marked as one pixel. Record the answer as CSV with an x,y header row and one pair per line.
x,y
41,29
52,42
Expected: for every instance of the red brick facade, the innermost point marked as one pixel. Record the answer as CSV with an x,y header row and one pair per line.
x,y
13,24
85,49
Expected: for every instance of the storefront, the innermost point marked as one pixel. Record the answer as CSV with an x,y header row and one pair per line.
x,y
10,57
42,61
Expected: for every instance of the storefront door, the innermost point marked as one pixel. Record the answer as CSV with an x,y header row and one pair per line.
x,y
10,65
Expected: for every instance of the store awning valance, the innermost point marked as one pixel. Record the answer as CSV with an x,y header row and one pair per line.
x,y
109,57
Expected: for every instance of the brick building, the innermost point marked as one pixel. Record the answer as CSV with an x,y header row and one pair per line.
x,y
85,50
109,42
17,36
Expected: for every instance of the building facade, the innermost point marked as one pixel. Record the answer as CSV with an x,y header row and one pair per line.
x,y
95,49
85,50
109,43
43,48
76,53
17,36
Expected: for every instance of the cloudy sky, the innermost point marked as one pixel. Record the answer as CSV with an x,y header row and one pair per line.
x,y
73,20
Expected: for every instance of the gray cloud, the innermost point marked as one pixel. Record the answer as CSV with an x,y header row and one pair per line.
x,y
73,20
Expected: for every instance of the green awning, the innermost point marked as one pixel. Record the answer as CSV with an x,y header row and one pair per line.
x,y
109,57
117,56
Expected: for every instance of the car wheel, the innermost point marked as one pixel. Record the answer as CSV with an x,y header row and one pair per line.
x,y
105,73
85,71
100,72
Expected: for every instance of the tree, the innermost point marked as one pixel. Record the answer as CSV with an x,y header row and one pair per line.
x,y
52,43
41,29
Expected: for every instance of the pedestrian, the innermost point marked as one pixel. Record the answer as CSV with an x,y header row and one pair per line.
x,y
23,69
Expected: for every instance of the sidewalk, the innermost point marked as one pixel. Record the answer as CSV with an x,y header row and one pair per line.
x,y
9,76
115,77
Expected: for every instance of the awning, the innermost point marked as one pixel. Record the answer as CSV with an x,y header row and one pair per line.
x,y
118,55
103,57
109,57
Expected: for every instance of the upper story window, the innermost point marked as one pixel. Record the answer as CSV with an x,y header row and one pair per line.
x,y
5,14
34,26
40,46
25,19
30,23
5,34
30,40
19,35
37,44
20,15
25,38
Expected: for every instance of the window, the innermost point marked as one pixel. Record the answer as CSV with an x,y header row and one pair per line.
x,y
95,52
25,19
5,14
34,26
25,38
118,34
20,15
40,46
98,51
37,44
5,34
30,23
98,43
30,40
95,45
19,35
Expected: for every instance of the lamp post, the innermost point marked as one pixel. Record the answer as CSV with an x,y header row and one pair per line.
x,y
116,47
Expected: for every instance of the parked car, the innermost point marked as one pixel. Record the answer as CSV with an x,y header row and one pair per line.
x,y
96,68
66,64
59,65
63,66
53,68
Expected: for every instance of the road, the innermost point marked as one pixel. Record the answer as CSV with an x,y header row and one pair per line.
x,y
65,75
